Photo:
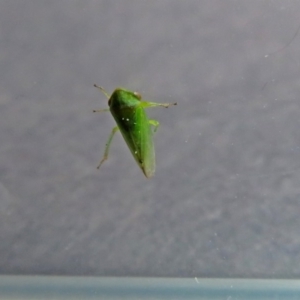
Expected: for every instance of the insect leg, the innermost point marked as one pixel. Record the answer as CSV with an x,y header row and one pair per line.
x,y
105,156
101,110
145,104
102,90
155,124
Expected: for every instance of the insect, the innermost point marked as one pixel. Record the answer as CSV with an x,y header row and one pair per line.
x,y
128,110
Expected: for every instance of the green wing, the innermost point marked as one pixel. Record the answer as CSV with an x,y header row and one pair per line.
x,y
136,130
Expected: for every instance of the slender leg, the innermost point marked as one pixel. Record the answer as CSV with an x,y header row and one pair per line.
x,y
106,94
102,90
155,124
101,110
105,156
145,104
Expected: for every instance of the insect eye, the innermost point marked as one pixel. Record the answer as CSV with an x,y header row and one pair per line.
x,y
138,95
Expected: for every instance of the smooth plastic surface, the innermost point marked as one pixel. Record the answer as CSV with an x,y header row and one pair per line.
x,y
54,287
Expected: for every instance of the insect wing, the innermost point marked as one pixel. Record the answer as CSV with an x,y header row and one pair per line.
x,y
136,131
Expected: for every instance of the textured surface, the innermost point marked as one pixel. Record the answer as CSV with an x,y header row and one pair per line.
x,y
225,199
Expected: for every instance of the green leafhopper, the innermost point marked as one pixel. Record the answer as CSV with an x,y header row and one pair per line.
x,y
128,110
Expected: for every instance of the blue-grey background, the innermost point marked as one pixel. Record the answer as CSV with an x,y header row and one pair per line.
x,y
225,200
